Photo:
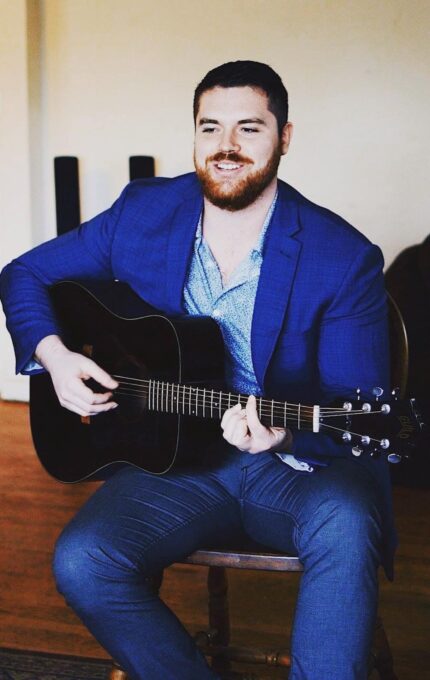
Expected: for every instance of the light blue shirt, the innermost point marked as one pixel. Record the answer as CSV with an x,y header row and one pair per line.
x,y
232,308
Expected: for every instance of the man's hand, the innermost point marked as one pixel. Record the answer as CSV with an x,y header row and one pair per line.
x,y
68,370
242,428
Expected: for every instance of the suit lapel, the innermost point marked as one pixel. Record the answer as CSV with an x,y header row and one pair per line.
x,y
281,254
180,245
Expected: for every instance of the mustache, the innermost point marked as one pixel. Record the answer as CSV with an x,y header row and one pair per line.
x,y
233,157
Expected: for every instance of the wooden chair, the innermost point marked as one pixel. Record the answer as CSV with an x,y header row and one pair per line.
x,y
215,641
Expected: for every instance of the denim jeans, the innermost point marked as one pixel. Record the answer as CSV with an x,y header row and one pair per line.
x,y
137,523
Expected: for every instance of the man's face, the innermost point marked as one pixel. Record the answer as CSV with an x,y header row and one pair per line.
x,y
237,146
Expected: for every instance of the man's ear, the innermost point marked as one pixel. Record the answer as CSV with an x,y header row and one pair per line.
x,y
287,133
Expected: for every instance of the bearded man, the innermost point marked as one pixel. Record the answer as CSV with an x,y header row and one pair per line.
x,y
299,297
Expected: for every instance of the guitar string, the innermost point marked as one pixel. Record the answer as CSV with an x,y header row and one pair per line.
x,y
354,434
206,394
278,407
305,421
326,409
156,384
203,405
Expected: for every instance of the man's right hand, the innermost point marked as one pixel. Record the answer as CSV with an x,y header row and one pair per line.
x,y
68,371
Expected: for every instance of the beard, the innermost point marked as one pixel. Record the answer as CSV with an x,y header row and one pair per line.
x,y
236,194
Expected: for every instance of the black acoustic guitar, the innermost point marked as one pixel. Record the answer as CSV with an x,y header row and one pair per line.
x,y
170,393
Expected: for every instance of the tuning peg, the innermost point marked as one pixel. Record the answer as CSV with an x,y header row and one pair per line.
x,y
377,392
384,443
356,451
394,458
358,391
395,392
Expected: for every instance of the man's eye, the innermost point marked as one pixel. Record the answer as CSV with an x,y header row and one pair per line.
x,y
249,130
208,129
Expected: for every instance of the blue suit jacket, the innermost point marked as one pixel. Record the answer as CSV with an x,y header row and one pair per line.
x,y
319,327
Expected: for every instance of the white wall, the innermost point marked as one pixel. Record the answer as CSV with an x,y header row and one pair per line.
x,y
15,188
116,79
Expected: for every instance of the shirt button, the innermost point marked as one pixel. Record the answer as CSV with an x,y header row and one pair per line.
x,y
216,313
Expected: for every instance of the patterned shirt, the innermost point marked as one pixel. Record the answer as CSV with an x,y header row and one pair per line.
x,y
232,308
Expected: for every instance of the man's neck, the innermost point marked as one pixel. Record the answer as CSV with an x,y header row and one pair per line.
x,y
231,235
220,224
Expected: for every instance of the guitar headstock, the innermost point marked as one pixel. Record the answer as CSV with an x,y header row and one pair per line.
x,y
375,427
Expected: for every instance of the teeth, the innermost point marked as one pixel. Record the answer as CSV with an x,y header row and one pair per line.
x,y
228,166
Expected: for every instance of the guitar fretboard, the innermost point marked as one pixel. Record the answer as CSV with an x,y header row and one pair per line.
x,y
202,402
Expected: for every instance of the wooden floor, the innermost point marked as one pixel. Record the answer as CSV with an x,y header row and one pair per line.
x,y
34,508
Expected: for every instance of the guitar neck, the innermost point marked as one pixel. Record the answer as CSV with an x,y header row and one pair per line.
x,y
202,402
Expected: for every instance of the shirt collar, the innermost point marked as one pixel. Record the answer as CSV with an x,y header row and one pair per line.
x,y
258,248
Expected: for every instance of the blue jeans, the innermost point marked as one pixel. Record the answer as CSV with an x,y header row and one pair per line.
x,y
136,524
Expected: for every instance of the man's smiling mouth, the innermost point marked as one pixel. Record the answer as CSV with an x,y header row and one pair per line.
x,y
224,165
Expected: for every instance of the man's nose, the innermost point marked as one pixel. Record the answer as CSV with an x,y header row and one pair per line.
x,y
229,142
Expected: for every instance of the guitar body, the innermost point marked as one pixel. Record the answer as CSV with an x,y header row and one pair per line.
x,y
126,337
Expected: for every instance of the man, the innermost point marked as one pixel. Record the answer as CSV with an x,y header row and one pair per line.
x,y
299,296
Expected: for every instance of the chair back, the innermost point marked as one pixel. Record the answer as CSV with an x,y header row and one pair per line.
x,y
399,347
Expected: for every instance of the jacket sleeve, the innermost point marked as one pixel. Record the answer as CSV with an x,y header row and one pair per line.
x,y
84,253
353,348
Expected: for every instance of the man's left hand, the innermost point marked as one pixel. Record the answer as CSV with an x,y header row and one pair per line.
x,y
243,429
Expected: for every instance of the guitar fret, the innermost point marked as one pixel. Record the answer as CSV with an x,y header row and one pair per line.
x,y
165,397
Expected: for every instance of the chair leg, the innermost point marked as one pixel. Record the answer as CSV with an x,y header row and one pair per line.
x,y
383,658
219,617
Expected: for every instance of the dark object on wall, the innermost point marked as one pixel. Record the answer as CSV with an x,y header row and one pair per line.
x,y
67,202
408,281
141,167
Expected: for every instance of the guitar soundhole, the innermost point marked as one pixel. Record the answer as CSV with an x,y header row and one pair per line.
x,y
132,394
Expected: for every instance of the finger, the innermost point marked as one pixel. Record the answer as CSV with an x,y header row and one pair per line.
x,y
254,424
230,415
79,390
92,370
101,398
83,409
236,431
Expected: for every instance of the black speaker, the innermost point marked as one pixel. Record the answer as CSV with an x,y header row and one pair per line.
x,y
141,167
67,202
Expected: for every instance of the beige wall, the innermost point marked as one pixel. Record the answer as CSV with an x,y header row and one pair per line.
x,y
110,79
